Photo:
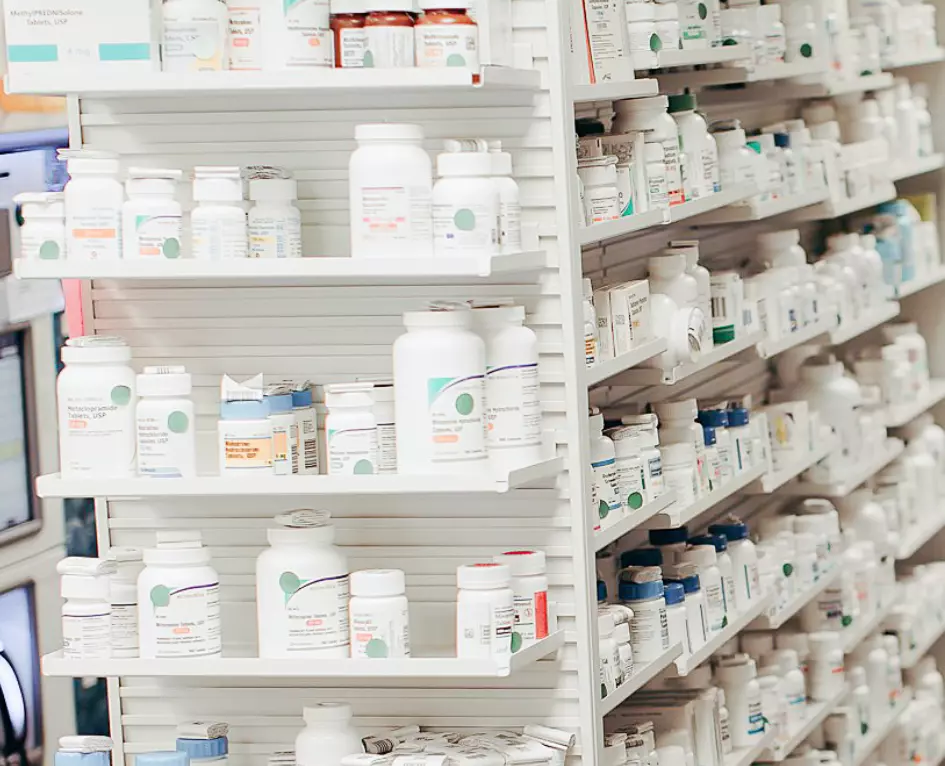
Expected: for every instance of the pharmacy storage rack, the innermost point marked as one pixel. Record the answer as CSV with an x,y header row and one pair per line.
x,y
328,319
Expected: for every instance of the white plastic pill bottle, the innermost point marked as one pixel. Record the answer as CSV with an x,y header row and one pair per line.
x,y
390,180
608,655
642,591
96,393
195,33
152,217
382,394
439,388
826,676
43,233
737,676
465,206
123,599
329,735
530,586
513,403
218,223
744,561
284,437
245,438
179,599
210,751
351,429
302,589
86,613
306,430
485,612
166,425
676,619
510,206
378,614
305,39
275,223
93,198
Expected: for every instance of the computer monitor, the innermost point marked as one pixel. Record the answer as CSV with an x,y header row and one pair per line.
x,y
21,735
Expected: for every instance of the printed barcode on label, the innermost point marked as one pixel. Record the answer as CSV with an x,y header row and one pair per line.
x,y
719,307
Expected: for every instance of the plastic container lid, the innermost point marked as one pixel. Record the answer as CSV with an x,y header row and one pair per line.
x,y
717,541
666,266
598,171
779,240
389,131
737,669
164,381
498,316
349,396
378,583
700,555
163,758
302,398
636,105
483,576
302,527
714,418
279,403
78,586
248,410
218,184
738,416
683,102
187,552
464,164
782,140
95,349
682,410
461,318
731,530
690,584
674,593
327,712
824,641
668,536
640,12
641,557
523,563
640,591
273,189
90,161
605,625
202,749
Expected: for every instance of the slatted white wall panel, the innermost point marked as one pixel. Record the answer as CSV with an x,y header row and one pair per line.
x,y
303,331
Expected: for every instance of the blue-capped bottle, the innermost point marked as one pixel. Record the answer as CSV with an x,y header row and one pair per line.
x,y
206,750
84,751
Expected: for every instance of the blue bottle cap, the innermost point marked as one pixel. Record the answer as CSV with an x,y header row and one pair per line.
x,y
710,437
198,749
738,416
253,410
719,541
641,591
98,758
733,530
690,584
277,403
714,418
668,536
163,758
674,593
641,557
782,140
601,591
302,398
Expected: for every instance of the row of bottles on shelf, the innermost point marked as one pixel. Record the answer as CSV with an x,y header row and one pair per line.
x,y
165,602
397,210
483,417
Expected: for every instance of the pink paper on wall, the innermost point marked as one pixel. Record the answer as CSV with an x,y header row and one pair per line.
x,y
75,319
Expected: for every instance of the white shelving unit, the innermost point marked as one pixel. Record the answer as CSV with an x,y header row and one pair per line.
x,y
892,449
759,211
802,599
640,678
774,480
677,516
638,517
866,747
864,323
817,713
899,415
918,285
839,208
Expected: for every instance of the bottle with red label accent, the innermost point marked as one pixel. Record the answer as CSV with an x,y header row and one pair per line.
x,y
530,589
348,35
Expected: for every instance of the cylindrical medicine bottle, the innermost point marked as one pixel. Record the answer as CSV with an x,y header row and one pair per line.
x,y
93,198
705,559
306,431
439,383
378,614
194,36
306,39
676,621
213,751
86,612
601,194
302,589
96,393
84,751
826,674
624,650
43,233
679,471
284,437
510,206
351,430
744,561
218,223
606,508
737,676
166,424
485,612
348,33
696,620
390,179
329,735
245,438
642,591
123,599
608,655
657,187
382,395
724,562
445,36
389,31
275,223
178,599
530,587
465,206
152,217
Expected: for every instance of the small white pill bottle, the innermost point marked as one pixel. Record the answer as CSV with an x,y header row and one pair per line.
x,y
379,614
738,677
642,590
179,599
93,198
86,613
284,437
826,675
245,433
329,735
530,588
194,38
152,217
275,223
97,395
123,599
744,561
608,655
351,430
84,750
43,233
485,612
302,589
167,445
218,223
465,206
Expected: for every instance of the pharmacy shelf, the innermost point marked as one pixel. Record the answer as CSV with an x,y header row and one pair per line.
x,y
829,86
497,269
651,376
737,193
914,286
541,475
916,653
874,318
916,167
685,665
610,368
911,543
759,211
853,635
802,599
640,678
915,59
642,514
892,449
817,713
342,82
773,481
877,734
697,57
768,349
676,515
622,227
899,415
676,82
831,209
302,667
745,756
614,90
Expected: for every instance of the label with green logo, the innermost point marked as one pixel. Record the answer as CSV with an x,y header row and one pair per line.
x,y
457,418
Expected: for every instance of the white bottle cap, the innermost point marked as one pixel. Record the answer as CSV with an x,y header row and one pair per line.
x,y
389,131
96,349
682,410
348,395
327,712
461,318
899,329
605,625
483,576
177,547
302,526
523,563
700,555
162,174
76,586
164,381
779,240
823,642
737,669
667,266
273,189
378,583
498,316
622,633
217,184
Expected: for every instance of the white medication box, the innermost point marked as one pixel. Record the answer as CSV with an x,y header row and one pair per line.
x,y
630,312
91,36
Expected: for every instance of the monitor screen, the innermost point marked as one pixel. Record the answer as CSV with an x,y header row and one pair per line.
x,y
20,713
16,496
